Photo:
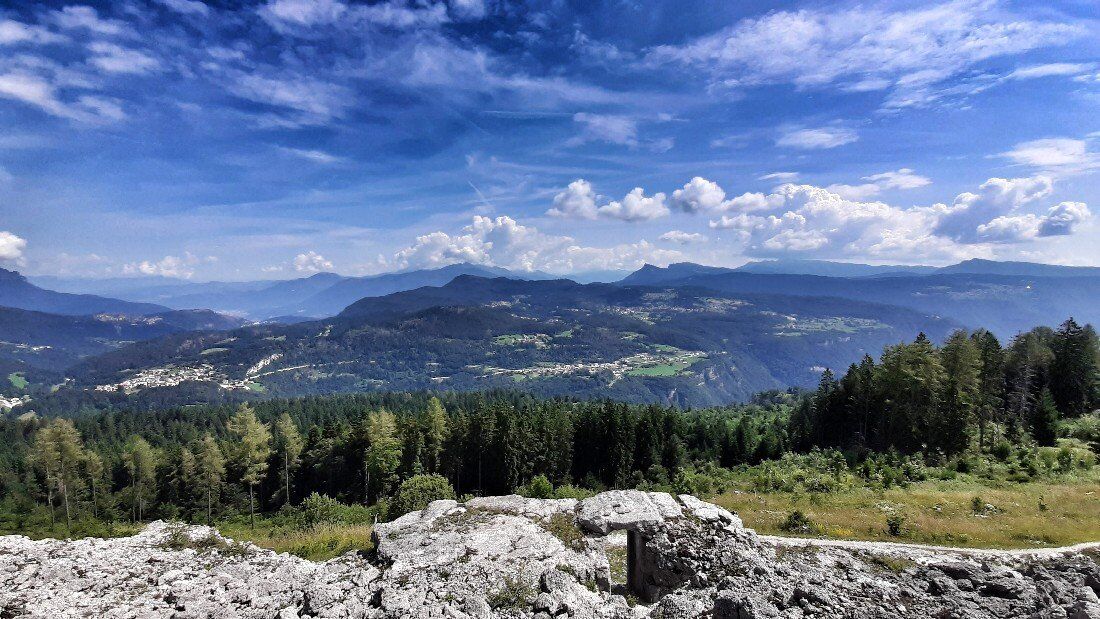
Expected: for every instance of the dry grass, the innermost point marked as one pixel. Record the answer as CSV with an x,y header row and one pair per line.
x,y
941,512
319,543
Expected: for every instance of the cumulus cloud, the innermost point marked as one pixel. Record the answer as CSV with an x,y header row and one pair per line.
x,y
816,138
898,179
1063,218
997,197
169,266
699,195
503,242
635,206
909,53
11,246
682,238
311,262
579,201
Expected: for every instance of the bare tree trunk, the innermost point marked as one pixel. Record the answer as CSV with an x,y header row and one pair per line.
x,y
209,509
251,509
286,474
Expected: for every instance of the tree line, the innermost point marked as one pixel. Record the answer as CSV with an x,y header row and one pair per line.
x,y
202,462
969,393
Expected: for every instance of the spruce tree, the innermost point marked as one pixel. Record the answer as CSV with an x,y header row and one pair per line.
x,y
252,448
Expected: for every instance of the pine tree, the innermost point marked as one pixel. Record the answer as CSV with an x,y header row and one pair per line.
x,y
210,472
288,445
1044,425
251,451
1074,369
961,396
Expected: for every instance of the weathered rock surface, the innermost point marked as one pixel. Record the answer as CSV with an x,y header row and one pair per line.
x,y
516,557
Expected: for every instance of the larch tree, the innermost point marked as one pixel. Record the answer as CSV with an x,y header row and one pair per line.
x,y
435,435
210,472
252,448
288,445
140,460
383,456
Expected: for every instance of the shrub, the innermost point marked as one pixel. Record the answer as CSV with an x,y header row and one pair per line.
x,y
514,593
538,488
319,509
417,491
895,524
797,522
1002,450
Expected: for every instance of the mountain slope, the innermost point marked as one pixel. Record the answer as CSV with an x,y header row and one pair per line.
x,y
831,269
1023,269
55,341
17,292
556,337
1005,304
335,298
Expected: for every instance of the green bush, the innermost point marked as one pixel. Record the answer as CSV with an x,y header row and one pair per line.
x,y
538,488
417,492
320,509
797,522
895,525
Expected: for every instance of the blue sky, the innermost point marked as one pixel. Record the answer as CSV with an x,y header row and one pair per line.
x,y
237,140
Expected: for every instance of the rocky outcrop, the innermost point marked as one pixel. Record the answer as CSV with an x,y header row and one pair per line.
x,y
621,554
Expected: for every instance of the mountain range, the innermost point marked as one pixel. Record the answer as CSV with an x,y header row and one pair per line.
x,y
687,334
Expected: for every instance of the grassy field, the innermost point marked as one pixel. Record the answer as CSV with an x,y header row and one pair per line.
x,y
16,379
959,512
318,543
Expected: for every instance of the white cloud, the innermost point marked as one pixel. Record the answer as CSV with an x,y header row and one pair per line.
x,y
817,138
682,238
996,197
899,179
1064,155
577,201
635,206
316,156
612,129
910,52
779,177
5,176
79,17
468,9
13,32
40,93
11,246
303,12
503,242
1062,218
1052,69
310,101
168,266
186,7
311,262
117,59
699,195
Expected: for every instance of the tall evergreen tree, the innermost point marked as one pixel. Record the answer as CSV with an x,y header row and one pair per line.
x,y
287,443
210,472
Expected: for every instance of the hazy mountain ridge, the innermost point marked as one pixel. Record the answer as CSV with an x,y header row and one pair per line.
x,y
17,292
686,346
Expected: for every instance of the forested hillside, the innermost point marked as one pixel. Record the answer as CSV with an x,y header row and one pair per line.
x,y
917,405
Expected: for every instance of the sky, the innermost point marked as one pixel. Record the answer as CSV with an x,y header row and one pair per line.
x,y
263,140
